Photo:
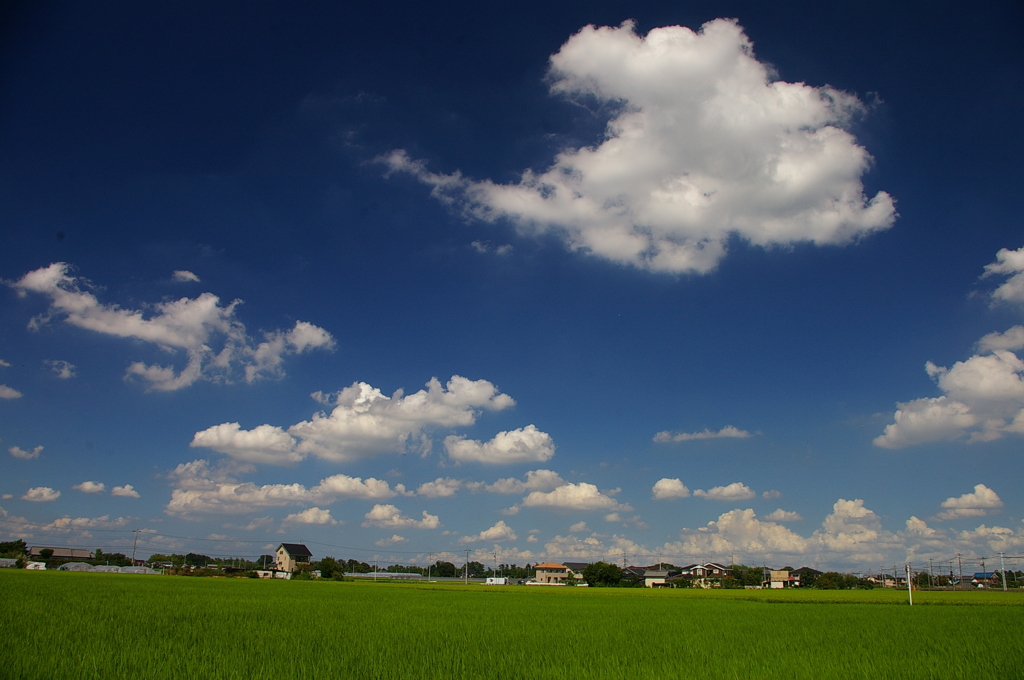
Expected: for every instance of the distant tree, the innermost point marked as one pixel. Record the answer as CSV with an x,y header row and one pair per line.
x,y
356,567
476,569
13,549
741,576
46,553
832,580
116,559
196,560
330,568
602,574
443,569
808,579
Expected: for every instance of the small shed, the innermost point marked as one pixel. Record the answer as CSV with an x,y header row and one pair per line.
x,y
654,578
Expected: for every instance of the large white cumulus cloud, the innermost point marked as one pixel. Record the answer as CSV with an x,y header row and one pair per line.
x,y
705,143
365,422
215,343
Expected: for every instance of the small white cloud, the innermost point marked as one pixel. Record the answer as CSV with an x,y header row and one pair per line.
x,y
1008,263
498,532
390,516
264,523
727,432
918,527
41,493
486,247
780,515
771,495
732,492
536,480
578,528
4,364
980,502
21,453
311,516
571,496
394,540
185,275
926,420
9,392
265,444
442,487
612,517
90,487
525,445
666,488
1012,339
126,491
62,369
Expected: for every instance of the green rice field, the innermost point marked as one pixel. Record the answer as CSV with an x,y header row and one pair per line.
x,y
82,625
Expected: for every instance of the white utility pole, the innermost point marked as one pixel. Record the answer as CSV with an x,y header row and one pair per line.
x,y
136,532
910,590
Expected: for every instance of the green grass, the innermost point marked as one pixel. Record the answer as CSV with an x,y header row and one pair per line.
x,y
55,625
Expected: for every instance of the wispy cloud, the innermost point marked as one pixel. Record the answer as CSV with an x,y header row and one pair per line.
x,y
9,393
62,369
21,453
727,432
214,341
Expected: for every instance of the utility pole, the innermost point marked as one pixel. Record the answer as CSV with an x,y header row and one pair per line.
x,y
467,566
960,568
1002,570
136,530
910,591
931,574
430,557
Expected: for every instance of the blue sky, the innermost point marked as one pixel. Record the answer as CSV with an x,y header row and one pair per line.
x,y
703,282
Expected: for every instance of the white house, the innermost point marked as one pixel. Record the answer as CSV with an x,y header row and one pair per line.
x,y
291,555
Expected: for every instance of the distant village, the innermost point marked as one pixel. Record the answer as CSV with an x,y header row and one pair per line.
x,y
295,561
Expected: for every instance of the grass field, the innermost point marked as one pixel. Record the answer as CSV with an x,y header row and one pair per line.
x,y
81,625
